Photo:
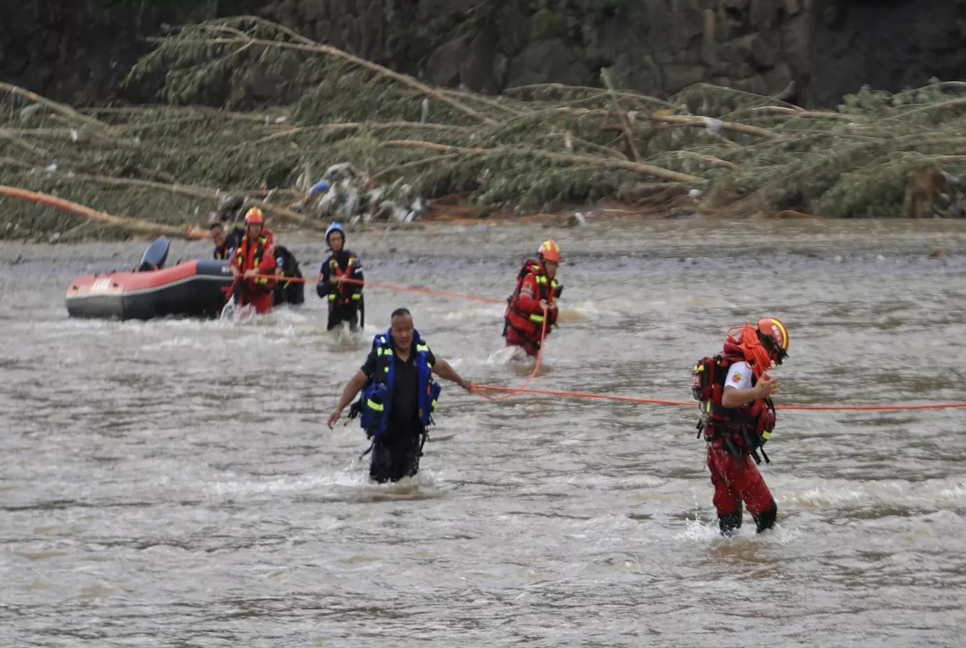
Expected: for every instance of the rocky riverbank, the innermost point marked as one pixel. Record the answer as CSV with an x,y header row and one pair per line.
x,y
79,52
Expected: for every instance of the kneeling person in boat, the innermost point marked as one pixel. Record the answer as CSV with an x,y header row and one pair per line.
x,y
225,243
399,395
255,255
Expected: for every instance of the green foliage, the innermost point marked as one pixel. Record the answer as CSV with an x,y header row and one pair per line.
x,y
532,148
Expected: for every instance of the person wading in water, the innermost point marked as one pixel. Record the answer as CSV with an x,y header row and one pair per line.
x,y
737,418
399,396
255,255
344,298
533,299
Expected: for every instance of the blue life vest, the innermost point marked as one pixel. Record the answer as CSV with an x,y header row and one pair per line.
x,y
376,398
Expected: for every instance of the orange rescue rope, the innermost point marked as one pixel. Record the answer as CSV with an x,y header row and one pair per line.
x,y
509,392
675,403
573,394
745,338
373,284
427,291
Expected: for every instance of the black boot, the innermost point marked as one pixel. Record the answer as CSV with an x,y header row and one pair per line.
x,y
766,520
730,523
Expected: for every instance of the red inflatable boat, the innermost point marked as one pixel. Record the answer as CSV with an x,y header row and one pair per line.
x,y
193,288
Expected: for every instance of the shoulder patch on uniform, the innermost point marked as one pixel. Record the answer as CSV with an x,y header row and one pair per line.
x,y
736,378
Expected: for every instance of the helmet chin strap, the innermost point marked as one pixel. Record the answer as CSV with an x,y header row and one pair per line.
x,y
775,352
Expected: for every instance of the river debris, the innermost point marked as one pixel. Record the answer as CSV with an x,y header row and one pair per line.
x,y
345,193
396,150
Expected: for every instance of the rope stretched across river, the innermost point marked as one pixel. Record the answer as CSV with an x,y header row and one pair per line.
x,y
509,392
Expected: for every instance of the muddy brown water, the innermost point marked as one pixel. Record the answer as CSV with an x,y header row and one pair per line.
x,y
172,483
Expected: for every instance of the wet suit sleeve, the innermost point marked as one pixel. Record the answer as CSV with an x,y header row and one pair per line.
x,y
323,287
529,301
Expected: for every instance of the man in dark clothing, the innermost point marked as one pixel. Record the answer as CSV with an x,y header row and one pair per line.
x,y
344,297
287,266
225,243
396,374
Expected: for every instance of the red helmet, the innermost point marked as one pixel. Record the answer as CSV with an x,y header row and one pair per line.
x,y
254,217
773,329
549,251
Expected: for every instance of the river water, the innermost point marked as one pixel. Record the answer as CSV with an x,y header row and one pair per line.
x,y
173,483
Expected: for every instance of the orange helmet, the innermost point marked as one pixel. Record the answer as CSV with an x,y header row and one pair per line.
x,y
254,217
773,329
549,251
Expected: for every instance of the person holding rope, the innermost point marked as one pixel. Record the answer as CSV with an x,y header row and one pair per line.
x,y
534,298
255,255
399,395
737,418
345,298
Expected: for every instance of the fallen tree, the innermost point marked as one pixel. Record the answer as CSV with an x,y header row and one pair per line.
x,y
536,148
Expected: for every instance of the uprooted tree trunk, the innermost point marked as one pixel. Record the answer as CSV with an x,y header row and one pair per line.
x,y
130,225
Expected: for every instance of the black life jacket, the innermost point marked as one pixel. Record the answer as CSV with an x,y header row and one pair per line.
x,y
347,293
742,430
227,249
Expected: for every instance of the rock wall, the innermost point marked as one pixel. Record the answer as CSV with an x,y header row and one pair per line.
x,y
78,52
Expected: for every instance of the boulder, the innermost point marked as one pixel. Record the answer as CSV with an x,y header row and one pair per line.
x,y
548,61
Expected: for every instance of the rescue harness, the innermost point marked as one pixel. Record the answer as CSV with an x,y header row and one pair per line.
x,y
265,284
742,430
526,323
345,294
